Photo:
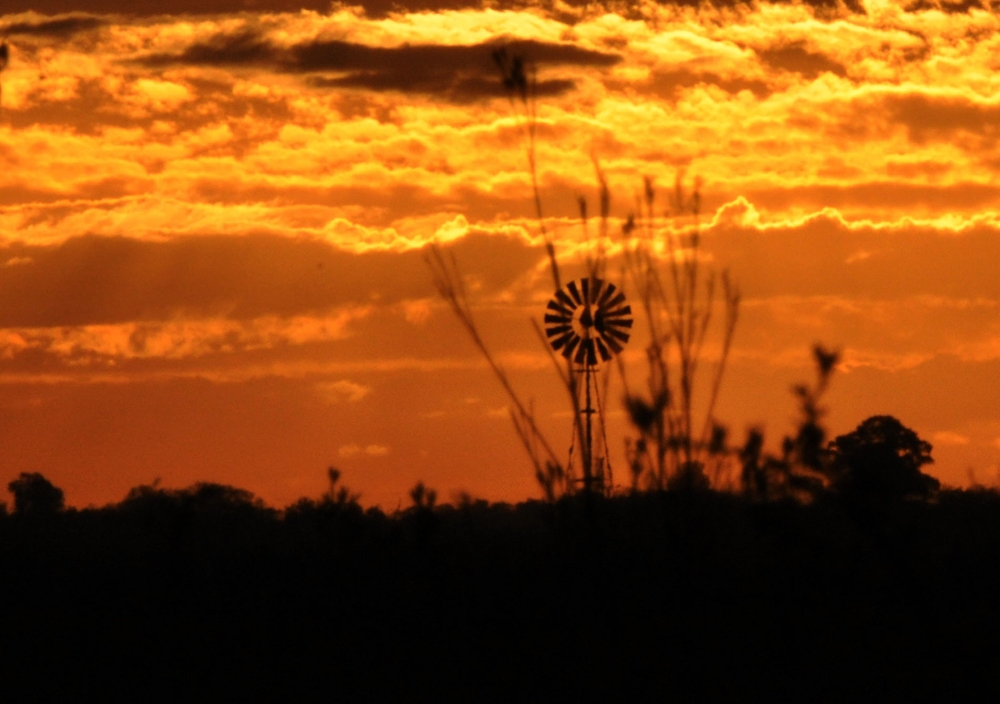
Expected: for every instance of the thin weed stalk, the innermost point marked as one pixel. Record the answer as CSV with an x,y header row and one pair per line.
x,y
555,479
520,78
672,449
448,280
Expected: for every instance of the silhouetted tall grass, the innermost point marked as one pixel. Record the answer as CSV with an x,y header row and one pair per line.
x,y
678,442
677,297
554,477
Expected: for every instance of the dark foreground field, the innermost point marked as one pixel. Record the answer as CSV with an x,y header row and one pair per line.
x,y
203,595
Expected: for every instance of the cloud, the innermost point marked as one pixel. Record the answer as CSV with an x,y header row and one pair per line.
x,y
111,280
948,6
161,96
335,55
158,8
669,84
417,311
242,48
450,85
949,438
880,195
355,450
460,73
342,391
569,9
797,58
816,255
939,114
110,345
60,26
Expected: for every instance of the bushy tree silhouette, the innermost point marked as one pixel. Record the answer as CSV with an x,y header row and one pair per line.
x,y
34,495
881,460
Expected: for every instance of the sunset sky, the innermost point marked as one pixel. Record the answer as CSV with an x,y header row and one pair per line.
x,y
214,217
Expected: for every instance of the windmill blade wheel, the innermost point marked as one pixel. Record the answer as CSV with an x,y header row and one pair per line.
x,y
588,321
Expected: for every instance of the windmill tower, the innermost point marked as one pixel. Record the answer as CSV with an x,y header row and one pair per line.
x,y
588,321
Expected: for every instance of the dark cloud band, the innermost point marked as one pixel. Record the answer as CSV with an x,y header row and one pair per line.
x,y
59,26
460,73
381,8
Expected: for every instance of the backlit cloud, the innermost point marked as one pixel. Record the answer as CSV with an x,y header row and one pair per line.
x,y
342,391
109,345
949,437
355,450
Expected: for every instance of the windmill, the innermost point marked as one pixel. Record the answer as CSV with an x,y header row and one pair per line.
x,y
588,321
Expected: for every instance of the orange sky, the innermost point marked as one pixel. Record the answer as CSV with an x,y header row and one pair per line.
x,y
212,228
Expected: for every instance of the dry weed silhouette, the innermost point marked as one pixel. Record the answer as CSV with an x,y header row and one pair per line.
x,y
677,297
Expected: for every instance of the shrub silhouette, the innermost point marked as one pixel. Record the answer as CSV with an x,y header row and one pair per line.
x,y
881,460
422,497
339,495
803,470
34,495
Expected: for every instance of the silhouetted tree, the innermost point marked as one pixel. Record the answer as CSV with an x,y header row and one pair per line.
x,y
211,497
34,495
881,460
204,502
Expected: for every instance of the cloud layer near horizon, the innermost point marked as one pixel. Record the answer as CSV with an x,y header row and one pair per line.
x,y
243,198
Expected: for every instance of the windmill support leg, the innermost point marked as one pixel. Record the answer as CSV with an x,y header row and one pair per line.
x,y
588,411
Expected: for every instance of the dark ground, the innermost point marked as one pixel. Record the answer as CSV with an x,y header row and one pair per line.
x,y
204,595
